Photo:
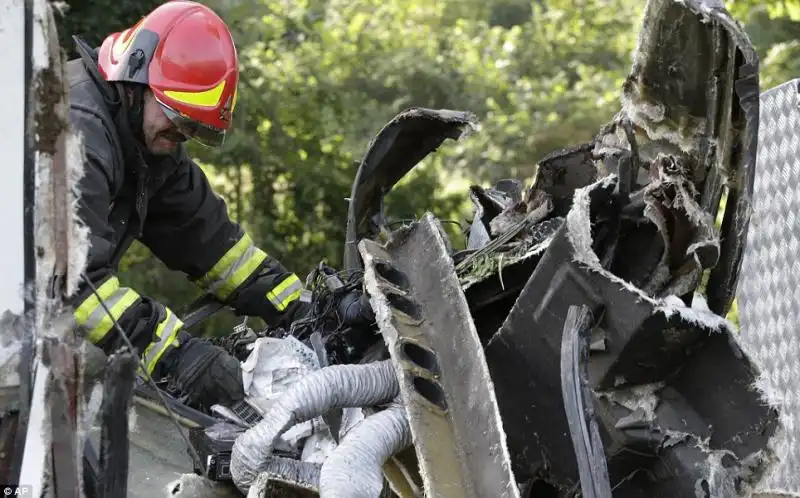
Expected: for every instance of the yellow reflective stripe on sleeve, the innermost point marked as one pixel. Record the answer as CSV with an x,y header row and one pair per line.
x,y
92,316
243,269
165,338
226,261
233,268
85,309
282,295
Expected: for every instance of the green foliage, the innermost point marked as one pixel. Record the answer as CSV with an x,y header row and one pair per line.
x,y
321,77
774,28
94,20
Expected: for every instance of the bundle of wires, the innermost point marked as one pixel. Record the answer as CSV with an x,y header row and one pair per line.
x,y
326,287
324,315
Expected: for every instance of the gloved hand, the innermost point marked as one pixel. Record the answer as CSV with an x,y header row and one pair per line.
x,y
206,373
356,310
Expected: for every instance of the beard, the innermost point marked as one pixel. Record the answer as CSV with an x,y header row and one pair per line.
x,y
165,142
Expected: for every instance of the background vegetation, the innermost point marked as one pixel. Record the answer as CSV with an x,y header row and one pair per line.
x,y
321,77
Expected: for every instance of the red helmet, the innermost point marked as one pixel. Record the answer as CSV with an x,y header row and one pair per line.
x,y
185,53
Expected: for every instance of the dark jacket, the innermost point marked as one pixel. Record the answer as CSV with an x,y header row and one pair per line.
x,y
168,205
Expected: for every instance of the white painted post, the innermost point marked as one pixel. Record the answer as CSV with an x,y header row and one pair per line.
x,y
36,203
12,144
17,192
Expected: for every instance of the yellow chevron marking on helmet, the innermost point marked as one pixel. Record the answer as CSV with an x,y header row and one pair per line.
x,y
206,98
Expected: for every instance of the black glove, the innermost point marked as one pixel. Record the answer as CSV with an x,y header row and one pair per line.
x,y
356,310
206,373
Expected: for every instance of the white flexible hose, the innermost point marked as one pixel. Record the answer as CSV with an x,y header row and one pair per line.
x,y
334,387
355,468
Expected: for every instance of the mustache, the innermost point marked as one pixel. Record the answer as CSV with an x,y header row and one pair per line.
x,y
173,135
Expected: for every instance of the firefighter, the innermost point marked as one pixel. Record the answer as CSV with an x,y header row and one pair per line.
x,y
135,100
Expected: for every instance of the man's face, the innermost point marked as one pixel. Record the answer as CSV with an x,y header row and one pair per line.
x,y
161,137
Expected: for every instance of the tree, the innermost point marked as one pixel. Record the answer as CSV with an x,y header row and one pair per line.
x,y
774,29
320,78
93,20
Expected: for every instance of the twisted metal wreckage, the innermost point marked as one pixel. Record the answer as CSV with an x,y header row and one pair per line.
x,y
567,350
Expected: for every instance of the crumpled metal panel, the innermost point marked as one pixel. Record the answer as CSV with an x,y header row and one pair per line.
x,y
671,386
444,380
400,145
769,289
705,107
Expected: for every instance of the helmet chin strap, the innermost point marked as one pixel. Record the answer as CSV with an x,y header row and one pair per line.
x,y
129,121
136,113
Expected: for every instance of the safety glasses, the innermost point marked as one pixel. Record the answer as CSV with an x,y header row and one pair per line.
x,y
203,134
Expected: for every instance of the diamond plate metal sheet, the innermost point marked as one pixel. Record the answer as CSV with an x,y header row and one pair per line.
x,y
769,285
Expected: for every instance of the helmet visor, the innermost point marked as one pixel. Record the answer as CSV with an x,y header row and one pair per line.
x,y
203,134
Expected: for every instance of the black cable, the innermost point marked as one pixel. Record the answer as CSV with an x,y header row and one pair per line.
x,y
412,220
583,427
323,303
148,378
